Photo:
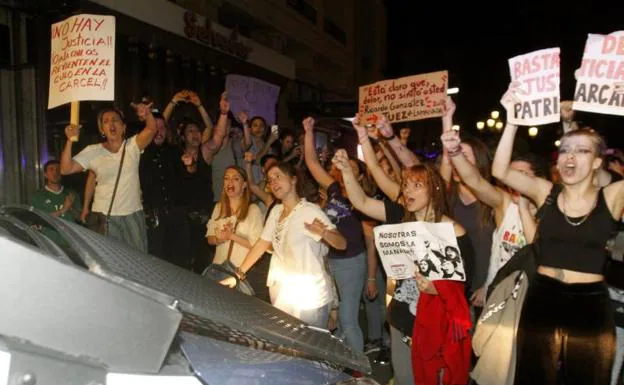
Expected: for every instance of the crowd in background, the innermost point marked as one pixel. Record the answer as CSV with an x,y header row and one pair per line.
x,y
296,221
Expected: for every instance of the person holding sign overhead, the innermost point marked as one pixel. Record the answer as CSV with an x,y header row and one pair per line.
x,y
115,162
566,329
438,317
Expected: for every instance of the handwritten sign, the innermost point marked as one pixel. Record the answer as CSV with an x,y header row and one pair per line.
x,y
430,248
600,80
535,77
255,96
82,59
404,99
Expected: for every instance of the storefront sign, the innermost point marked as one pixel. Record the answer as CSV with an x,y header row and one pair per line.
x,y
207,35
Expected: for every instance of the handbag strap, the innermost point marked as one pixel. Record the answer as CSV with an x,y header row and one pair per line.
x,y
123,155
229,254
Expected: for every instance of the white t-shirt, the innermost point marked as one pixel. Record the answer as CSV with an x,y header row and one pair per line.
x,y
105,164
250,229
507,239
298,277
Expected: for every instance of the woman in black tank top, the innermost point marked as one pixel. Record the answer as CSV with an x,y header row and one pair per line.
x,y
566,333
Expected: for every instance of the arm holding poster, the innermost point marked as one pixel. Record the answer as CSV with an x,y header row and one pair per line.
x,y
372,207
446,169
69,165
535,188
385,183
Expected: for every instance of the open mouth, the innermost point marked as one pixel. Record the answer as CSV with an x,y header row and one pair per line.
x,y
410,201
568,169
229,189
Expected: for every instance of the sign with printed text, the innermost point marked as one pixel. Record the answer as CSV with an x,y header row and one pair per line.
x,y
404,99
82,59
536,78
255,96
600,80
429,248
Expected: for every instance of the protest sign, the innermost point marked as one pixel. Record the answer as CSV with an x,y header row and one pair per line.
x,y
255,96
82,59
600,80
430,248
404,99
535,82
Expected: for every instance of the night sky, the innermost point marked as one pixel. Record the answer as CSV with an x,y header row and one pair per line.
x,y
474,41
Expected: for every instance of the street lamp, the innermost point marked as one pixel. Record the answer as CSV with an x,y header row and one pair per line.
x,y
557,143
495,114
480,125
533,131
491,123
499,125
455,127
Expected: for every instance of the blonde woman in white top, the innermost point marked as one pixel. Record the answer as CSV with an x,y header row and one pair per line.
x,y
300,234
236,223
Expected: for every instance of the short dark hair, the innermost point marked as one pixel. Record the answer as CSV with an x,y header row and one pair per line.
x,y
50,163
185,123
105,110
266,158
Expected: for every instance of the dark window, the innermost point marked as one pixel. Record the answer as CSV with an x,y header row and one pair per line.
x,y
5,43
304,9
333,30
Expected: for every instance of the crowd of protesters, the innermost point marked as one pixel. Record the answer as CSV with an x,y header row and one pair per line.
x,y
295,221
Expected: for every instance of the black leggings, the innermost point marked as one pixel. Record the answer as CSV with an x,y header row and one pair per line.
x,y
566,334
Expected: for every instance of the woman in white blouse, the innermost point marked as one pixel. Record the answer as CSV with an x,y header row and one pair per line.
x,y
300,233
236,223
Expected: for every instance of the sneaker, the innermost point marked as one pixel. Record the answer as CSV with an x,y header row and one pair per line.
x,y
383,358
372,346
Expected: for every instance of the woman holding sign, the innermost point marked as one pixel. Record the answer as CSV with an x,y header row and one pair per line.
x,y
436,317
513,213
115,162
567,319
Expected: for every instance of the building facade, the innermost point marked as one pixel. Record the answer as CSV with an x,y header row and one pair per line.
x,y
317,51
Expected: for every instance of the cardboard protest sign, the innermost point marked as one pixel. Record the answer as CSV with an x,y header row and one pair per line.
x,y
600,80
82,59
535,80
430,248
404,99
255,96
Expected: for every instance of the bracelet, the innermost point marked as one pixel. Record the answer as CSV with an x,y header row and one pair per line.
x,y
456,151
372,279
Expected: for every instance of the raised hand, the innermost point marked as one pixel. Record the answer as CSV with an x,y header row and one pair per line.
x,y
308,124
181,96
224,104
450,140
193,98
249,157
341,160
362,132
449,107
567,113
143,110
72,131
243,117
385,129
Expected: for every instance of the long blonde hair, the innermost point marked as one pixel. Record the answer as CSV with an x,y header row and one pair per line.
x,y
224,201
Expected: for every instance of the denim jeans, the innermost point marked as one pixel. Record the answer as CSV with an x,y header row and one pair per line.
x,y
350,277
318,317
376,312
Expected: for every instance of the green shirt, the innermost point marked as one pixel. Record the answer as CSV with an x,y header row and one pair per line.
x,y
51,201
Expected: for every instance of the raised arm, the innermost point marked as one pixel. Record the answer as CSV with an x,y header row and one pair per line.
x,y
211,147
243,118
145,137
372,207
264,196
384,181
208,126
470,175
392,159
68,164
311,159
614,195
177,98
446,168
534,188
406,157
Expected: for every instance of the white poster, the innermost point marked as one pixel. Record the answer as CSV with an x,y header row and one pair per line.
x,y
535,82
429,247
255,96
82,59
600,80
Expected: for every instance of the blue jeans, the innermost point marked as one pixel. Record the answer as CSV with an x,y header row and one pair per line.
x,y
350,277
376,312
318,317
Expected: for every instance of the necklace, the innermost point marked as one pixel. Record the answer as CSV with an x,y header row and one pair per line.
x,y
567,219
